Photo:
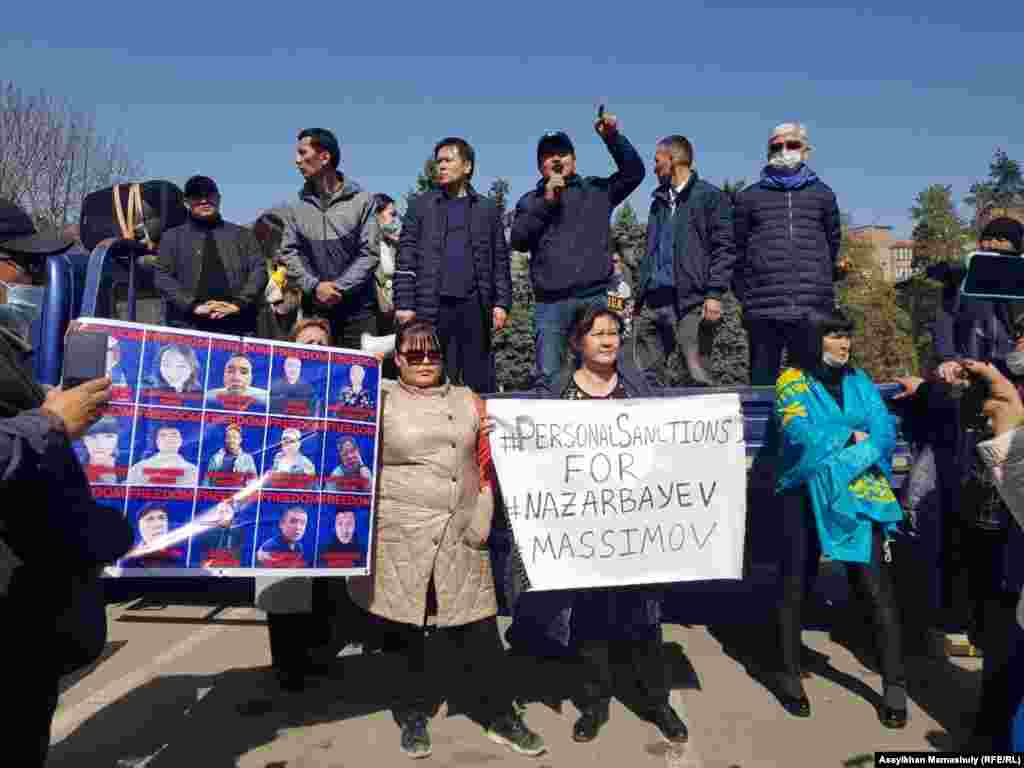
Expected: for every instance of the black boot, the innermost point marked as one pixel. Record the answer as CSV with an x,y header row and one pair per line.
x,y
791,695
670,725
589,724
893,713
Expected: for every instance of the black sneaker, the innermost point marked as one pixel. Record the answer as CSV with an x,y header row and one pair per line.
x,y
512,732
668,722
589,723
415,739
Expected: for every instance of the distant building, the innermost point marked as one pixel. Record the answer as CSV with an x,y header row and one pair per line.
x,y
895,258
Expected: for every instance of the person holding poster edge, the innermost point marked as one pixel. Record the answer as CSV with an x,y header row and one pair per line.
x,y
601,624
303,613
51,599
433,522
834,481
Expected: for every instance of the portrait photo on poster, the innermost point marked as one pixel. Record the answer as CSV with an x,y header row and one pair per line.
x,y
298,385
293,453
174,369
166,447
224,529
354,383
349,454
124,356
161,518
286,534
239,376
232,449
344,531
105,449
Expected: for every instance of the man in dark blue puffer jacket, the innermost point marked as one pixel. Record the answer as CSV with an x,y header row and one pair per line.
x,y
787,240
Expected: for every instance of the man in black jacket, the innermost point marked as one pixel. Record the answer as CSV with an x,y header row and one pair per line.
x,y
51,601
687,266
564,224
210,272
453,267
787,240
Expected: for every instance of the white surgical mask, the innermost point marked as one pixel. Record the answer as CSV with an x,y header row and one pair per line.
x,y
1015,363
24,305
787,158
831,360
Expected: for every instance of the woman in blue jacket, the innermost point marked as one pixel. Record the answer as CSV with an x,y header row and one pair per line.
x,y
835,472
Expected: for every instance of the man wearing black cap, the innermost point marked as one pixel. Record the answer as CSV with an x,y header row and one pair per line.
x,y
49,559
210,272
564,224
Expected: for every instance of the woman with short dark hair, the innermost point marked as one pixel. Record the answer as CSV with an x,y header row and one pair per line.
x,y
834,481
599,625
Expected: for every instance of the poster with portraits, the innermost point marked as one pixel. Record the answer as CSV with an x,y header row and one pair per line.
x,y
233,456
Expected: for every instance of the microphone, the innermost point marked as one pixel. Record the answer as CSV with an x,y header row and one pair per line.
x,y
556,166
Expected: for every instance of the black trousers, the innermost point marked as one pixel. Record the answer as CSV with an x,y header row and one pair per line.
x,y
294,636
472,658
767,339
643,657
465,335
800,551
31,671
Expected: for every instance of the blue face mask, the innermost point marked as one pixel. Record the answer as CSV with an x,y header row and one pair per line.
x,y
23,307
392,228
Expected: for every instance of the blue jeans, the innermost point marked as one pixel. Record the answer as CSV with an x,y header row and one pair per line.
x,y
554,326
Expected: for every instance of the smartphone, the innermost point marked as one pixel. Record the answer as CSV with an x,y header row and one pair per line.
x,y
85,358
600,112
994,276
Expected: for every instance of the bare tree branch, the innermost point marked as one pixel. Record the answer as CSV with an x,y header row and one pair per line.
x,y
52,156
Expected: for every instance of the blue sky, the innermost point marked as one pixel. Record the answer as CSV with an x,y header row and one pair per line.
x,y
896,97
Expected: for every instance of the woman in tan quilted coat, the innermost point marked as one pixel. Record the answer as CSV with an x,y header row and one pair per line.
x,y
430,544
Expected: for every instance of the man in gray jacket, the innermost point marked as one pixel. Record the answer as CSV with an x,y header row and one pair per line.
x,y
330,242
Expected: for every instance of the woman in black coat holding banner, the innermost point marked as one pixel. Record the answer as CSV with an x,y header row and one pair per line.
x,y
602,624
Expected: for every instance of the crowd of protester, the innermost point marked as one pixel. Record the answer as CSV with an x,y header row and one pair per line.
x,y
337,267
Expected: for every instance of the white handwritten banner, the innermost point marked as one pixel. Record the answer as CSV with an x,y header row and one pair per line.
x,y
612,492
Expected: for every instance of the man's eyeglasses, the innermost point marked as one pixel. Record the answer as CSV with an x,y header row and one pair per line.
x,y
604,334
421,356
778,146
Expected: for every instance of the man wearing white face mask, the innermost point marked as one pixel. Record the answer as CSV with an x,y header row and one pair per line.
x,y
787,243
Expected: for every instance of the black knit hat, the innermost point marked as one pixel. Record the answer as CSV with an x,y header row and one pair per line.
x,y
555,141
200,186
1005,228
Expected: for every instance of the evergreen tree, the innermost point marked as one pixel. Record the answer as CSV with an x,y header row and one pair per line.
x,y
499,194
424,180
938,229
1004,189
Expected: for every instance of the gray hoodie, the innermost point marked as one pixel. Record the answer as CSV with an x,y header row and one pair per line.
x,y
336,242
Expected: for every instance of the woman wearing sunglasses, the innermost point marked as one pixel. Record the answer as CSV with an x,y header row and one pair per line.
x,y
835,468
431,557
787,247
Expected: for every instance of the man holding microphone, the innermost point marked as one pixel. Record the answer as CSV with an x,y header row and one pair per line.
x,y
564,224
